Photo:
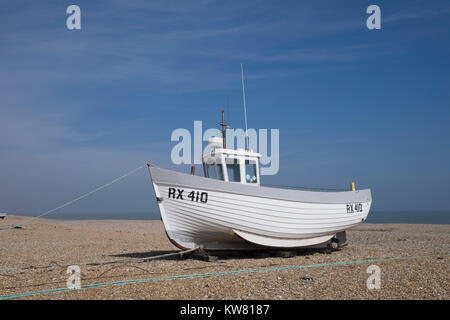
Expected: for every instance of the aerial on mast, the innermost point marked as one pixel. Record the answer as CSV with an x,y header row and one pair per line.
x,y
245,107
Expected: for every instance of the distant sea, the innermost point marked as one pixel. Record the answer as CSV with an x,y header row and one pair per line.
x,y
417,217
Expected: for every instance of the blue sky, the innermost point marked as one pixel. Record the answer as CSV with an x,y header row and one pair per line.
x,y
79,108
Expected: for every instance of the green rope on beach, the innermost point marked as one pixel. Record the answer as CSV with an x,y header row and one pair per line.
x,y
204,275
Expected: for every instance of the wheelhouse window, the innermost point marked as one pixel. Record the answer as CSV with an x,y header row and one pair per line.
x,y
233,172
250,172
219,171
213,170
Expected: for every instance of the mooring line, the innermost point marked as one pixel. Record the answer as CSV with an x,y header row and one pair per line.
x,y
76,199
210,274
180,253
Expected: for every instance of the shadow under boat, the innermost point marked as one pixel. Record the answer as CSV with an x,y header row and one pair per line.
x,y
212,255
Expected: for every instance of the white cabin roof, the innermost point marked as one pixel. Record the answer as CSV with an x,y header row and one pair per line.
x,y
216,143
232,152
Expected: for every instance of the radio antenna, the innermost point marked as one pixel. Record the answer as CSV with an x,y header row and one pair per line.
x,y
245,107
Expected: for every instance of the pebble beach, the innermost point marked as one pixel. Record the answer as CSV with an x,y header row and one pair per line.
x,y
413,260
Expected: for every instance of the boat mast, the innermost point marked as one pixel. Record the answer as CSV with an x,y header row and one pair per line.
x,y
224,128
245,107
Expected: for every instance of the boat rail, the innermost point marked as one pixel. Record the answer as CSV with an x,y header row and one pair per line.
x,y
302,187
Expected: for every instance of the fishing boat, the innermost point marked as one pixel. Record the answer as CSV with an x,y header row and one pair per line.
x,y
229,209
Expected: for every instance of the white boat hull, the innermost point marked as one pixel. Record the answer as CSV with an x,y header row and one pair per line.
x,y
224,215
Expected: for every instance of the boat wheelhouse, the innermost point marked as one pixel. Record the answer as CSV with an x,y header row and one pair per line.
x,y
229,165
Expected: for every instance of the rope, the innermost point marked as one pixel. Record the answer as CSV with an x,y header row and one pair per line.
x,y
76,199
211,274
133,260
126,265
181,253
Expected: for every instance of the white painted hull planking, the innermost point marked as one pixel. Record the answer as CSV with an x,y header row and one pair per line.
x,y
229,216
